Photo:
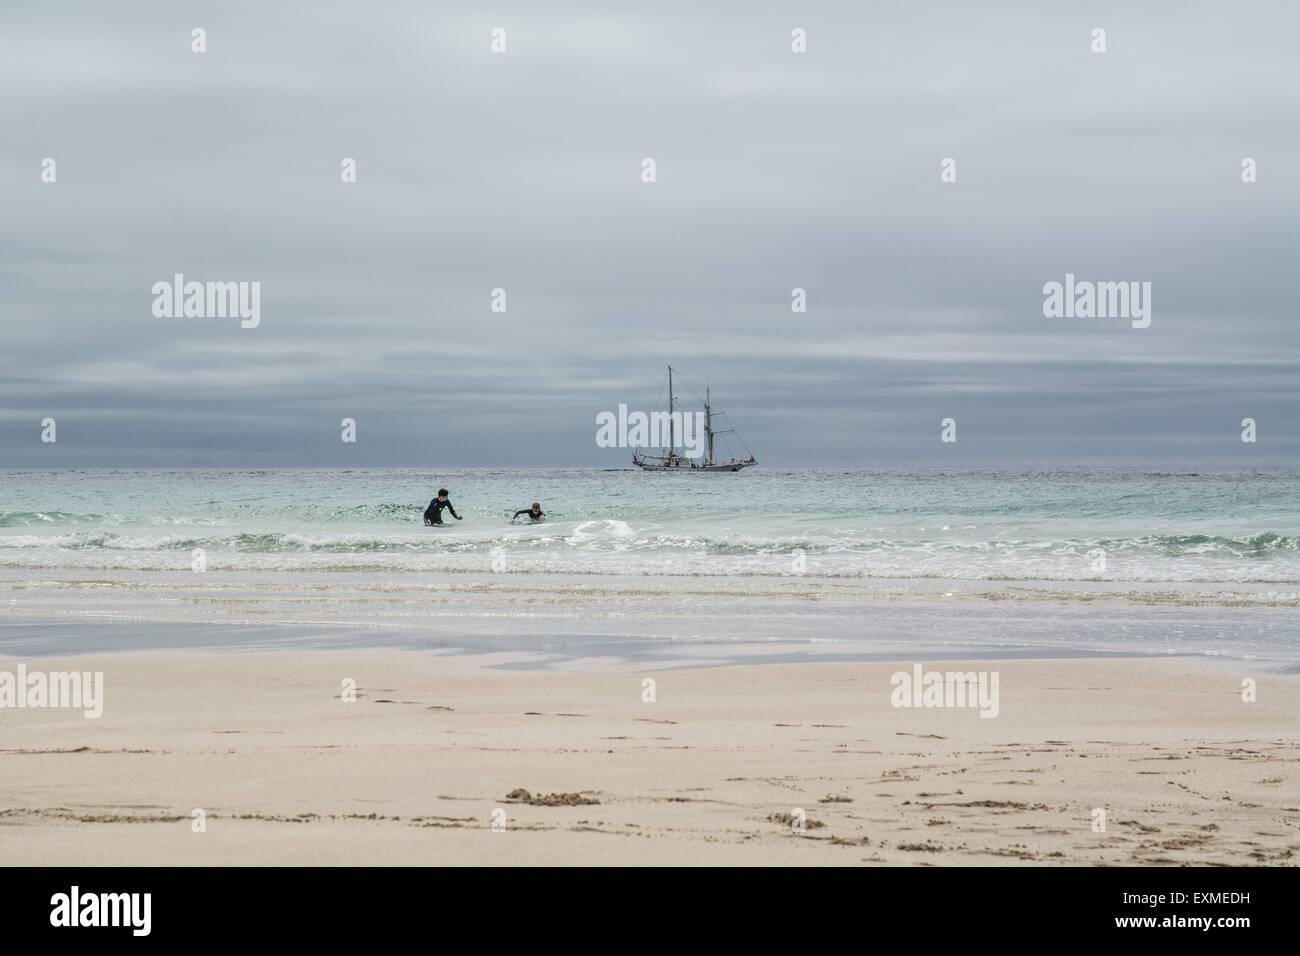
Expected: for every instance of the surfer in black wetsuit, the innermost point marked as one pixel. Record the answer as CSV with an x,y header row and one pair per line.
x,y
433,513
535,512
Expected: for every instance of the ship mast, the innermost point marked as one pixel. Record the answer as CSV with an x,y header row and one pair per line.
x,y
708,423
672,431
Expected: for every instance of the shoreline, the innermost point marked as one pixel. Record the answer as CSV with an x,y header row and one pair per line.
x,y
645,618
560,654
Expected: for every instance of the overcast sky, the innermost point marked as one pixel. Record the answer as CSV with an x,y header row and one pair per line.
x,y
522,170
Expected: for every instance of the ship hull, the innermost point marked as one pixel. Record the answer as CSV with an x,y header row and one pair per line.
x,y
686,466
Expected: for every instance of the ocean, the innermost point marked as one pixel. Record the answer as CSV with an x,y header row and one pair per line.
x,y
792,556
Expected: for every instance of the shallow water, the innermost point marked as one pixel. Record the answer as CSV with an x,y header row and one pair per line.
x,y
646,567
1208,525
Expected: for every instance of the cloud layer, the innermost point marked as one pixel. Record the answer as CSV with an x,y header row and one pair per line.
x,y
521,171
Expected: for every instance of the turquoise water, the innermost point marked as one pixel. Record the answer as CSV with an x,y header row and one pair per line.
x,y
1122,525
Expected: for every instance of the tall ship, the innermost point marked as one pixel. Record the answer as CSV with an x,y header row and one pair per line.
x,y
670,459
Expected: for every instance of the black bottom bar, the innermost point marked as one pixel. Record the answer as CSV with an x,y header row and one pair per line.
x,y
365,906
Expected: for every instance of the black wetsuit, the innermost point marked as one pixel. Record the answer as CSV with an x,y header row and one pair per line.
x,y
535,515
433,513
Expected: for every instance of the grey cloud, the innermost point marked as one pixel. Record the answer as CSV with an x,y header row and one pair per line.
x,y
521,171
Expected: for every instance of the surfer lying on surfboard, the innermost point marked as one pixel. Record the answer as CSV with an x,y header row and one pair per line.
x,y
433,513
535,512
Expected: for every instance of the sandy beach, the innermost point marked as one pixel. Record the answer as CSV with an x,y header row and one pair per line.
x,y
578,769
